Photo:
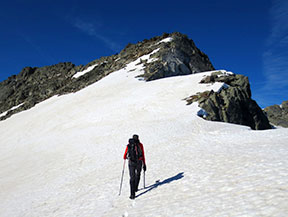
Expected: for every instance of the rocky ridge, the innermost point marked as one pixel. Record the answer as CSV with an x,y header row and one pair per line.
x,y
177,55
278,114
173,54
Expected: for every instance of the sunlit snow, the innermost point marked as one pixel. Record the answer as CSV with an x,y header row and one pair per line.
x,y
138,65
165,40
13,108
64,156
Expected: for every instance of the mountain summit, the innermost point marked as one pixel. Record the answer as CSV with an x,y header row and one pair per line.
x,y
160,57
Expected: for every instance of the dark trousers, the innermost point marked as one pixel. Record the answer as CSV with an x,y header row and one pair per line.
x,y
135,172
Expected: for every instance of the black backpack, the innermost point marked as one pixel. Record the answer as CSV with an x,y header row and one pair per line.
x,y
134,151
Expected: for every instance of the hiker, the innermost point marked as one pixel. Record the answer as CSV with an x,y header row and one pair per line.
x,y
135,154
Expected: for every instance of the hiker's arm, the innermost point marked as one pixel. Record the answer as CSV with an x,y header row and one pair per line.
x,y
142,148
125,154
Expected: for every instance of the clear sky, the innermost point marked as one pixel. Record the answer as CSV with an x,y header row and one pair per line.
x,y
247,37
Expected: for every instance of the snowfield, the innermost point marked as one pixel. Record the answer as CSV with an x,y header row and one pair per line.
x,y
64,157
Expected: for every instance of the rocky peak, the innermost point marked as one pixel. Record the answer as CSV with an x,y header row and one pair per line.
x,y
177,55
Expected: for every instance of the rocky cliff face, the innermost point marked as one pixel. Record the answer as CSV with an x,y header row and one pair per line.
x,y
232,103
173,54
278,114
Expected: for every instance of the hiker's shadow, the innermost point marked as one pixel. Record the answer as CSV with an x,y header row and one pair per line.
x,y
158,183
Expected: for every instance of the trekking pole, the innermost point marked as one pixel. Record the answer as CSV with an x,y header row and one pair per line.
x,y
122,177
144,179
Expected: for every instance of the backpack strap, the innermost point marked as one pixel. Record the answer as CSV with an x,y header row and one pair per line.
x,y
139,154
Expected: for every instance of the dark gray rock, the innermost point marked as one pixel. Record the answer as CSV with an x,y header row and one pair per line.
x,y
232,104
278,114
32,85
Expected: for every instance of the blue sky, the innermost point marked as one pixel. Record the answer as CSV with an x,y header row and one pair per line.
x,y
244,36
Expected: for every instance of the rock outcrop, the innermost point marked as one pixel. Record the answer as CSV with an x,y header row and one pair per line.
x,y
278,114
232,103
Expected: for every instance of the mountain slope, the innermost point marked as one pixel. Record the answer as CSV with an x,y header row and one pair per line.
x,y
63,157
163,56
174,54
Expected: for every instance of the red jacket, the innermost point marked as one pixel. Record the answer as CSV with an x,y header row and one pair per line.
x,y
141,158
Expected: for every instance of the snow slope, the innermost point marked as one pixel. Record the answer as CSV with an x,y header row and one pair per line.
x,y
64,157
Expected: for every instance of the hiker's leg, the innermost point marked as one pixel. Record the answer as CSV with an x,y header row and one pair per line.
x,y
138,174
132,168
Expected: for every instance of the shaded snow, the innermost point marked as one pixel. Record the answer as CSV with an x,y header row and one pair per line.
x,y
202,113
63,157
223,87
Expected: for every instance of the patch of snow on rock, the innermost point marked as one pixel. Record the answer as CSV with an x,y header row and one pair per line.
x,y
15,107
137,65
165,40
79,74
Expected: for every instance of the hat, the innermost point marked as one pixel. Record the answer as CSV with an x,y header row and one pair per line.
x,y
136,138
